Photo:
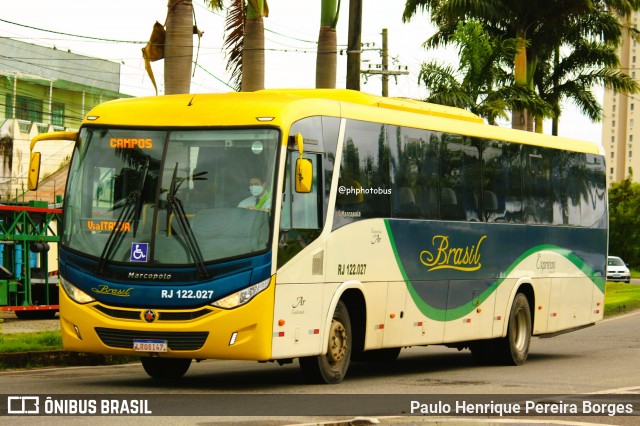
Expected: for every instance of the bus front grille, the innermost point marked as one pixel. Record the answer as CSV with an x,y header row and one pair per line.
x,y
176,340
162,315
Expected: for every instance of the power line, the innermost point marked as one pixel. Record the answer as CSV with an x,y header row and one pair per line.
x,y
74,35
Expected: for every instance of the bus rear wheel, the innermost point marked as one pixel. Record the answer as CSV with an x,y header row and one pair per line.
x,y
514,348
165,368
332,367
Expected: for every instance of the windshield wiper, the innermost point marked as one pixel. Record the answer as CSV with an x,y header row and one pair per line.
x,y
175,204
139,201
117,233
131,210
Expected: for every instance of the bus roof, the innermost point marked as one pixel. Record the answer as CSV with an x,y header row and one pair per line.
x,y
282,107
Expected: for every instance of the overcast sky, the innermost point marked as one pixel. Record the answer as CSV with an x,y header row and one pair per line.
x,y
291,34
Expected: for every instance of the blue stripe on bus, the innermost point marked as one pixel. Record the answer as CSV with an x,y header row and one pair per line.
x,y
149,292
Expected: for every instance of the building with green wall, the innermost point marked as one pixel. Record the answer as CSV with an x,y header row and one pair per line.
x,y
44,89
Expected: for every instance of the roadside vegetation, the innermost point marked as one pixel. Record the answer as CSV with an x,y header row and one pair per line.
x,y
620,298
25,342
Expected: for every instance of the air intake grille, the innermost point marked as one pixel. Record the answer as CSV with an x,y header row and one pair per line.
x,y
317,264
177,341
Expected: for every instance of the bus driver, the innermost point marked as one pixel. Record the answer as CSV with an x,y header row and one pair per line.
x,y
260,198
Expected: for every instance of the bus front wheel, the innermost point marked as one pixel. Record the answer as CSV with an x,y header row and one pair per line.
x,y
514,348
165,368
332,367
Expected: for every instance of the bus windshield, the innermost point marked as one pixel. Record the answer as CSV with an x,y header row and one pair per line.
x,y
170,196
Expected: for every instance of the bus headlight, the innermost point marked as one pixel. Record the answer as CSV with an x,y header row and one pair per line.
x,y
241,297
75,293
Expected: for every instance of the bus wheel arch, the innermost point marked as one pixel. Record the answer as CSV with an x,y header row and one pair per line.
x,y
345,334
357,307
331,367
513,349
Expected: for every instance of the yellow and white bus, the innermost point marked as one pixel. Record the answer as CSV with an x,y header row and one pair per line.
x,y
378,224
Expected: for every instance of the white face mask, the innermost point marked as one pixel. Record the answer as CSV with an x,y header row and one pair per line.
x,y
255,190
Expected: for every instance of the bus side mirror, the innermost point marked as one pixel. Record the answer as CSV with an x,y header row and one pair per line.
x,y
304,175
34,160
34,171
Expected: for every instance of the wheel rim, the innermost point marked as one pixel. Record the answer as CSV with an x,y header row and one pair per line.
x,y
337,343
520,331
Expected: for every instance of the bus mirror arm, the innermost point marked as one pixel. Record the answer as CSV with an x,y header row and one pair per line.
x,y
300,143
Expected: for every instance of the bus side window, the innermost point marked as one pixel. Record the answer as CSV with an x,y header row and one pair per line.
x,y
301,217
537,192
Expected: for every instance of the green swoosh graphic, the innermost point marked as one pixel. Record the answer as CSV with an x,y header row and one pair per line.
x,y
460,311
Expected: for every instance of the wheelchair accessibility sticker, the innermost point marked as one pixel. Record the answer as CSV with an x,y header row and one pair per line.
x,y
139,252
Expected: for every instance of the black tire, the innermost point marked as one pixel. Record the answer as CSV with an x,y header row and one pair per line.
x,y
386,355
483,352
332,367
165,368
514,348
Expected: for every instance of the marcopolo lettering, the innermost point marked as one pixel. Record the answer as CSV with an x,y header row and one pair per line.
x,y
148,276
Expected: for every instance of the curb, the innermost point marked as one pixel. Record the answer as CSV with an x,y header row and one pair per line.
x,y
38,359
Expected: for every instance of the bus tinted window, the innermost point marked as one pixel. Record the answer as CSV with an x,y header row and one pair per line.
x,y
501,182
536,184
446,176
364,189
459,178
596,182
414,173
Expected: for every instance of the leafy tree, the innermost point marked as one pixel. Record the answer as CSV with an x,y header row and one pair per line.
x,y
484,83
532,23
588,62
624,221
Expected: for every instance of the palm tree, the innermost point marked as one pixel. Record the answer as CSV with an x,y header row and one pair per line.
x,y
573,76
327,57
178,47
244,43
234,29
253,46
484,83
526,21
586,62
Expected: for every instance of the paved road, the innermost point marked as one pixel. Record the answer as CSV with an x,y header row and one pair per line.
x,y
601,359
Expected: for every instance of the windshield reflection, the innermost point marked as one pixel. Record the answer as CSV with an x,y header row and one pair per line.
x,y
180,197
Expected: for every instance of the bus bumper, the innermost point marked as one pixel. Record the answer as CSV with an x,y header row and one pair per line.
x,y
241,333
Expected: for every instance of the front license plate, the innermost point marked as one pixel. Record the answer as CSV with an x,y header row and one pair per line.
x,y
150,345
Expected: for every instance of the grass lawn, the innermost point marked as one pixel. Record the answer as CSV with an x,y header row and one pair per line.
x,y
620,298
24,342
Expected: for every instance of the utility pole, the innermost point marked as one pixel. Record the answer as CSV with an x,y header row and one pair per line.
x,y
385,72
354,44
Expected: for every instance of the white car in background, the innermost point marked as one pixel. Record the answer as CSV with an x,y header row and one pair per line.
x,y
617,270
